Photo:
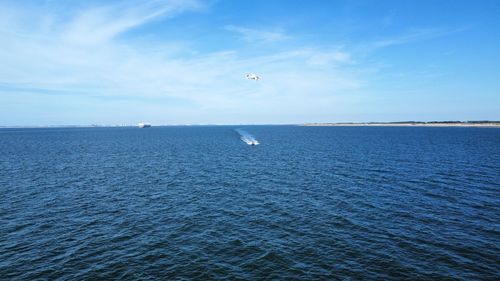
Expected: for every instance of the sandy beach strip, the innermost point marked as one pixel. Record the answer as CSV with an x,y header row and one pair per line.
x,y
444,124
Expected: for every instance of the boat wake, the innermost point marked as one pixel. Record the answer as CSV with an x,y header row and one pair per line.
x,y
247,138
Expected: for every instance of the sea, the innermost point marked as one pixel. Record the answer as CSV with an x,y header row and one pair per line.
x,y
200,203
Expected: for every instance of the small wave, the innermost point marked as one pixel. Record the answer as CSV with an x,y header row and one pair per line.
x,y
247,138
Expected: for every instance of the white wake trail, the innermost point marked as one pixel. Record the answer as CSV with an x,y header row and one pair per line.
x,y
247,138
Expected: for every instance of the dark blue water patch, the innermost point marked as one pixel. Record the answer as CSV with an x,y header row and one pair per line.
x,y
198,203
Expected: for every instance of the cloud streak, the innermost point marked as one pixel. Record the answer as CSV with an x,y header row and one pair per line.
x,y
258,35
416,35
103,23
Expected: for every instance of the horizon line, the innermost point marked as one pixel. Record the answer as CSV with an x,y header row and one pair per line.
x,y
253,124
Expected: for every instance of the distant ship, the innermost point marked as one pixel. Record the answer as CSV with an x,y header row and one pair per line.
x,y
144,125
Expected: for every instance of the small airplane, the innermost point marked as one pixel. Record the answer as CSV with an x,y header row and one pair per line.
x,y
252,76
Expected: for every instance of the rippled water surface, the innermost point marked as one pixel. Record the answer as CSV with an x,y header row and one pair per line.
x,y
308,203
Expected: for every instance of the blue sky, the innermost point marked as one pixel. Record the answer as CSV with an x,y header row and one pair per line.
x,y
184,62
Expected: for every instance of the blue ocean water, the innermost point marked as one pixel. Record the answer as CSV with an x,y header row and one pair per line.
x,y
307,203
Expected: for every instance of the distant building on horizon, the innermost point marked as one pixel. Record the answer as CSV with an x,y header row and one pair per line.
x,y
144,125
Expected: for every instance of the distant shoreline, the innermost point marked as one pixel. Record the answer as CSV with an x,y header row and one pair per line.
x,y
481,124
408,124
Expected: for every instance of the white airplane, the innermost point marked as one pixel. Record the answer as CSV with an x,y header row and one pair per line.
x,y
252,76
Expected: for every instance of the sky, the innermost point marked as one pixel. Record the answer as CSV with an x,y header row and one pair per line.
x,y
184,62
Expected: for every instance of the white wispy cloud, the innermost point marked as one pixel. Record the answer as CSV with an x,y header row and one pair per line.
x,y
331,57
103,23
415,35
258,35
